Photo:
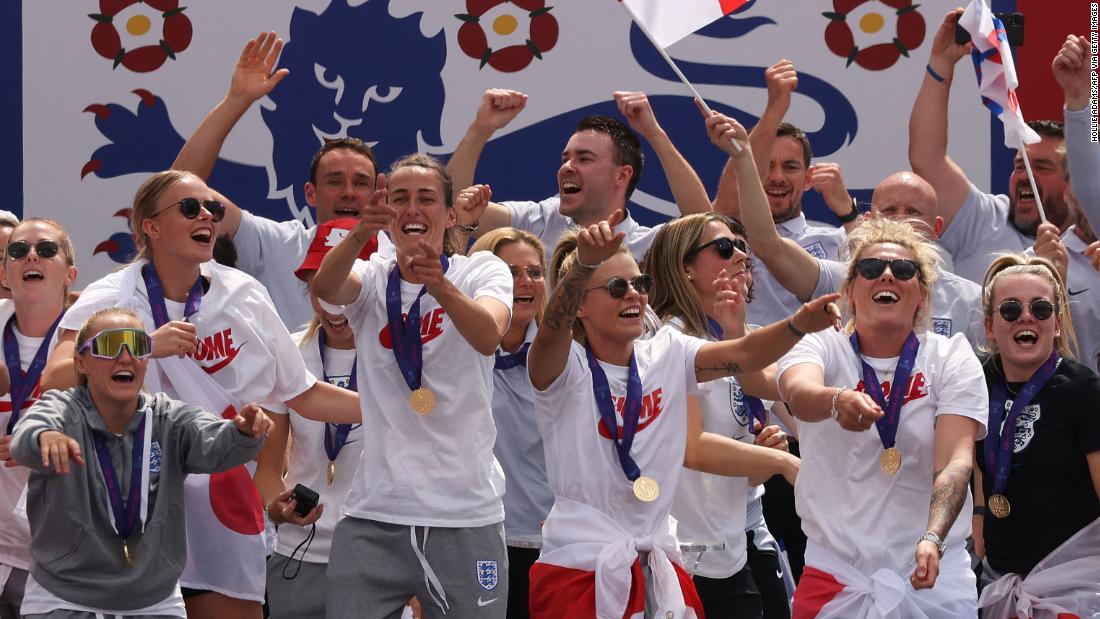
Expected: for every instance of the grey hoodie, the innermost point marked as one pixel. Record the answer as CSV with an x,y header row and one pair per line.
x,y
76,553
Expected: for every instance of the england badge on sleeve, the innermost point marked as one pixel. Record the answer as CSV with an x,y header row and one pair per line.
x,y
487,574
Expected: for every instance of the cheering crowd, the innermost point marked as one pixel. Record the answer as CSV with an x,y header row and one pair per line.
x,y
438,405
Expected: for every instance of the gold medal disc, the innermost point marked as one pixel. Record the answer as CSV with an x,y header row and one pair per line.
x,y
331,471
890,461
999,506
646,489
422,401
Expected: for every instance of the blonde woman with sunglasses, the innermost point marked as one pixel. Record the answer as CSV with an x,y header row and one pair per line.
x,y
108,463
1037,520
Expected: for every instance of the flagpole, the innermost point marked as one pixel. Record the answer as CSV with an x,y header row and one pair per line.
x,y
671,63
1031,178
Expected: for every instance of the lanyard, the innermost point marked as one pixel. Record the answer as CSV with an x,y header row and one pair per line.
x,y
999,443
755,405
24,383
336,434
632,410
126,513
156,296
887,426
405,332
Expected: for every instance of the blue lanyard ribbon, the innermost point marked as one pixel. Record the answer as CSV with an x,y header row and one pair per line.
x,y
126,511
336,434
24,383
156,296
508,361
755,405
632,410
1000,441
887,426
405,332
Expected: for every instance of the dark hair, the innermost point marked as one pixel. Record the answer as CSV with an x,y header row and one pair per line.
x,y
1048,128
787,130
352,144
225,251
628,150
427,162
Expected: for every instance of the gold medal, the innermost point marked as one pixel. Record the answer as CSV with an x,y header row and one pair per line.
x,y
646,489
890,461
126,554
999,506
422,401
331,471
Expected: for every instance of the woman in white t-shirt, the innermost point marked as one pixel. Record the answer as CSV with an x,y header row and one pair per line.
x,y
39,267
527,497
889,414
217,343
608,548
703,278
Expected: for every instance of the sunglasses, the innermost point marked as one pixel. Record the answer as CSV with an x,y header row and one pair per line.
x,y
533,271
108,344
18,250
190,208
903,270
617,286
1011,309
723,245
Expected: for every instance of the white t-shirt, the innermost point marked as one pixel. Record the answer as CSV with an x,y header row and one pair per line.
x,y
711,509
847,504
956,302
436,469
37,600
544,220
15,533
307,460
771,301
581,461
519,449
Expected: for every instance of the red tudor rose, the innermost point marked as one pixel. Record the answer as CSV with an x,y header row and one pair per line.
x,y
542,37
175,34
909,34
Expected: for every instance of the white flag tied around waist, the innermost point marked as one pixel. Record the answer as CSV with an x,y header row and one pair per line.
x,y
668,21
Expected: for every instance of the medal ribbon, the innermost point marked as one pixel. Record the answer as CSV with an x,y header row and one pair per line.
x,y
126,513
755,405
508,361
336,434
632,410
999,443
156,296
887,426
405,333
23,383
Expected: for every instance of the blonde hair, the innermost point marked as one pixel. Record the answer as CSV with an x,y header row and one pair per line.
x,y
83,333
500,238
902,232
145,204
563,259
1017,265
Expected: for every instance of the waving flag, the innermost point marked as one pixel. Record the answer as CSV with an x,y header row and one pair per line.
x,y
668,21
996,72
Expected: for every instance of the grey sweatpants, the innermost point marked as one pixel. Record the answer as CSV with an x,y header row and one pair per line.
x,y
299,597
457,573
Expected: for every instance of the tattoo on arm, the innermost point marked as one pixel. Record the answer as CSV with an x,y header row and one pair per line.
x,y
722,369
566,300
948,495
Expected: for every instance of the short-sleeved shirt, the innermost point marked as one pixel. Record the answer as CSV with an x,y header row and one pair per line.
x,y
847,504
436,469
1049,487
979,232
544,220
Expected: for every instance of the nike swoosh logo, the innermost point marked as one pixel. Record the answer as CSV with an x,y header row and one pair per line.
x,y
1074,293
224,362
485,603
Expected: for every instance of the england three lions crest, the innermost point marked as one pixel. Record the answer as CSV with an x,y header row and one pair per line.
x,y
488,575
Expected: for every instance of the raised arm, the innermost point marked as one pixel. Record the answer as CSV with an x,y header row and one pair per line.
x,y
252,79
550,351
498,108
687,190
928,122
334,281
1072,72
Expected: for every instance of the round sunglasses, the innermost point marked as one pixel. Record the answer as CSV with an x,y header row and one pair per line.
x,y
724,246
1011,309
902,270
190,208
17,250
617,286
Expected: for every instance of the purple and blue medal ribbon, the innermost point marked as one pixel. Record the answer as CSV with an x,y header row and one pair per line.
x,y
508,361
887,426
755,405
336,434
127,512
632,410
23,383
156,296
405,333
1000,442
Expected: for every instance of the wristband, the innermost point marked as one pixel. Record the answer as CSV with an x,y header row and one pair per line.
x,y
470,229
794,329
833,412
935,539
852,216
586,267
936,76
979,510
